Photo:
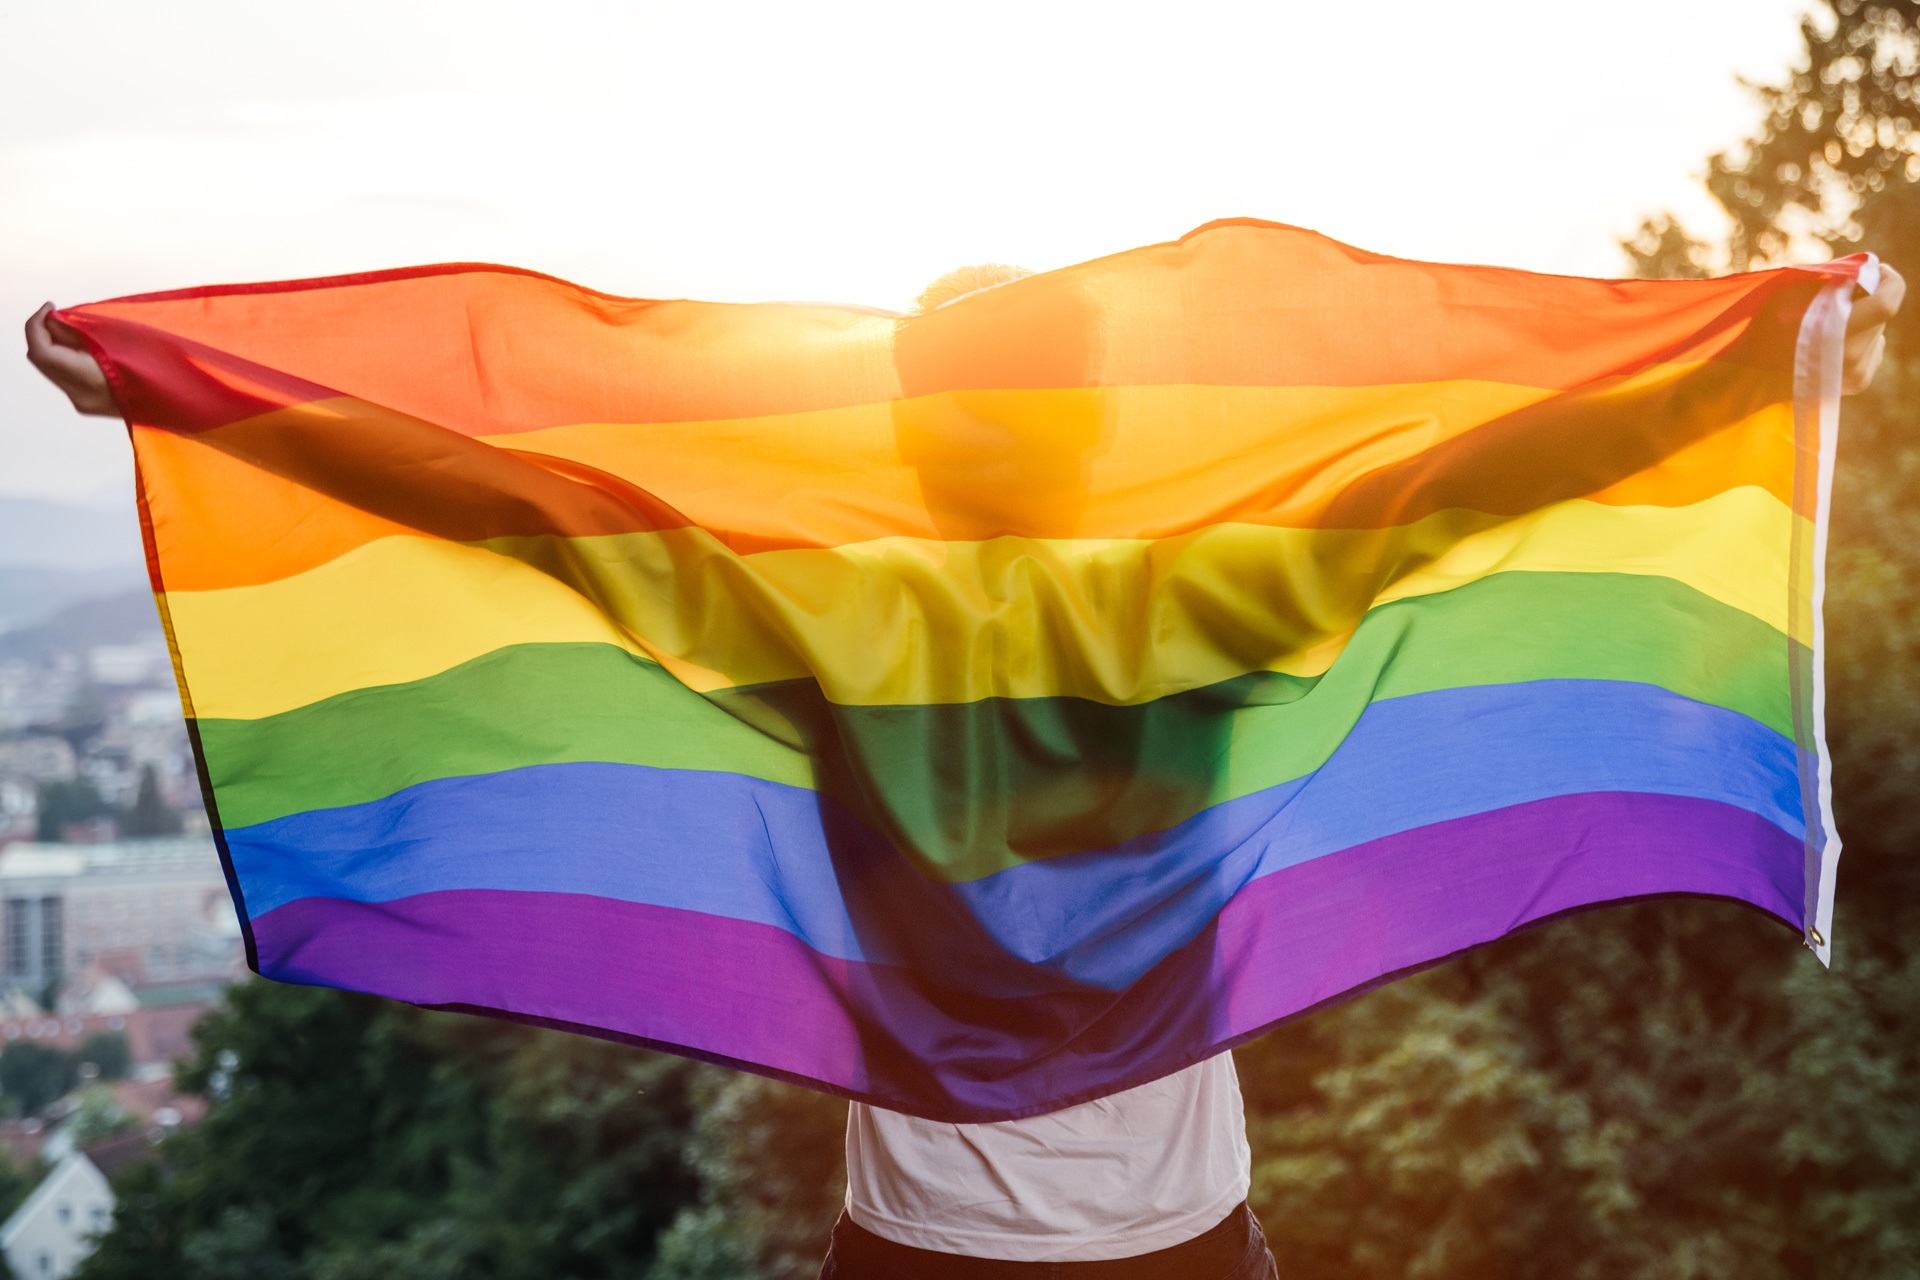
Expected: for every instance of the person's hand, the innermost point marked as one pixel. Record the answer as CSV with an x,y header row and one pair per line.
x,y
57,351
1867,331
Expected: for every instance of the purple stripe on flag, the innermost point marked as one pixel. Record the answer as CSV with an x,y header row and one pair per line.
x,y
1314,932
750,993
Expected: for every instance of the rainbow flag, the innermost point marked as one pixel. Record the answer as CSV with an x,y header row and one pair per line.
x,y
982,711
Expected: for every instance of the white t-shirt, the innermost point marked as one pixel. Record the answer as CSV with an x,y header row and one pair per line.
x,y
1142,1170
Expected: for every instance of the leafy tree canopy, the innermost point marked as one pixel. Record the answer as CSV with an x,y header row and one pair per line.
x,y
1835,136
350,1137
33,1075
66,801
150,814
108,1051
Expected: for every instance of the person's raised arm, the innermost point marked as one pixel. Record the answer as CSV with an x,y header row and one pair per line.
x,y
58,352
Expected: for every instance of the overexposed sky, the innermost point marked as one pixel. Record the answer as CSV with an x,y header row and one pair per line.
x,y
832,151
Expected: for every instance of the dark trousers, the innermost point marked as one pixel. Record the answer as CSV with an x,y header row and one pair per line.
x,y
1233,1250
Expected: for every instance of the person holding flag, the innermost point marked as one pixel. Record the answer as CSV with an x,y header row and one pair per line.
x,y
1014,1114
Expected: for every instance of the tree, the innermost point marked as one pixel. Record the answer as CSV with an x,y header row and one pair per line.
x,y
769,1159
1835,138
100,1116
1674,1089
1662,250
69,801
150,815
1668,1089
352,1137
109,1052
33,1075
17,1182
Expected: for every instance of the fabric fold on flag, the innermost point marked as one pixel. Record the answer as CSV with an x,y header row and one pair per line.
x,y
986,710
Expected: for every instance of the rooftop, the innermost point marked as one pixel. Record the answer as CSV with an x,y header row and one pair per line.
x,y
30,860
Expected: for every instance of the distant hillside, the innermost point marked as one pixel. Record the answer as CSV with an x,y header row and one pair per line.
x,y
47,534
116,619
32,595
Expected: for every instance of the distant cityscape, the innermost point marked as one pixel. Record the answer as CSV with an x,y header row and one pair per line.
x,y
82,730
116,929
88,710
108,873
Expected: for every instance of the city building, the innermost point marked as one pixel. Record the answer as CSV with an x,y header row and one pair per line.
x,y
38,757
36,692
52,1231
141,663
146,912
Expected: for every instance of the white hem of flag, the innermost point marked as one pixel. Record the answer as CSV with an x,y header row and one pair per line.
x,y
1819,366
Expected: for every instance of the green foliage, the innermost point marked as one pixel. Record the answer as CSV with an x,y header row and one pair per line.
x,y
17,1182
1662,250
1835,136
240,1245
100,1116
1873,615
352,1137
1675,1089
68,801
1666,1090
769,1157
33,1075
707,1243
149,815
109,1052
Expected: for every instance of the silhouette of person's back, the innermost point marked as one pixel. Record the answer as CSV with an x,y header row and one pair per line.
x,y
997,416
